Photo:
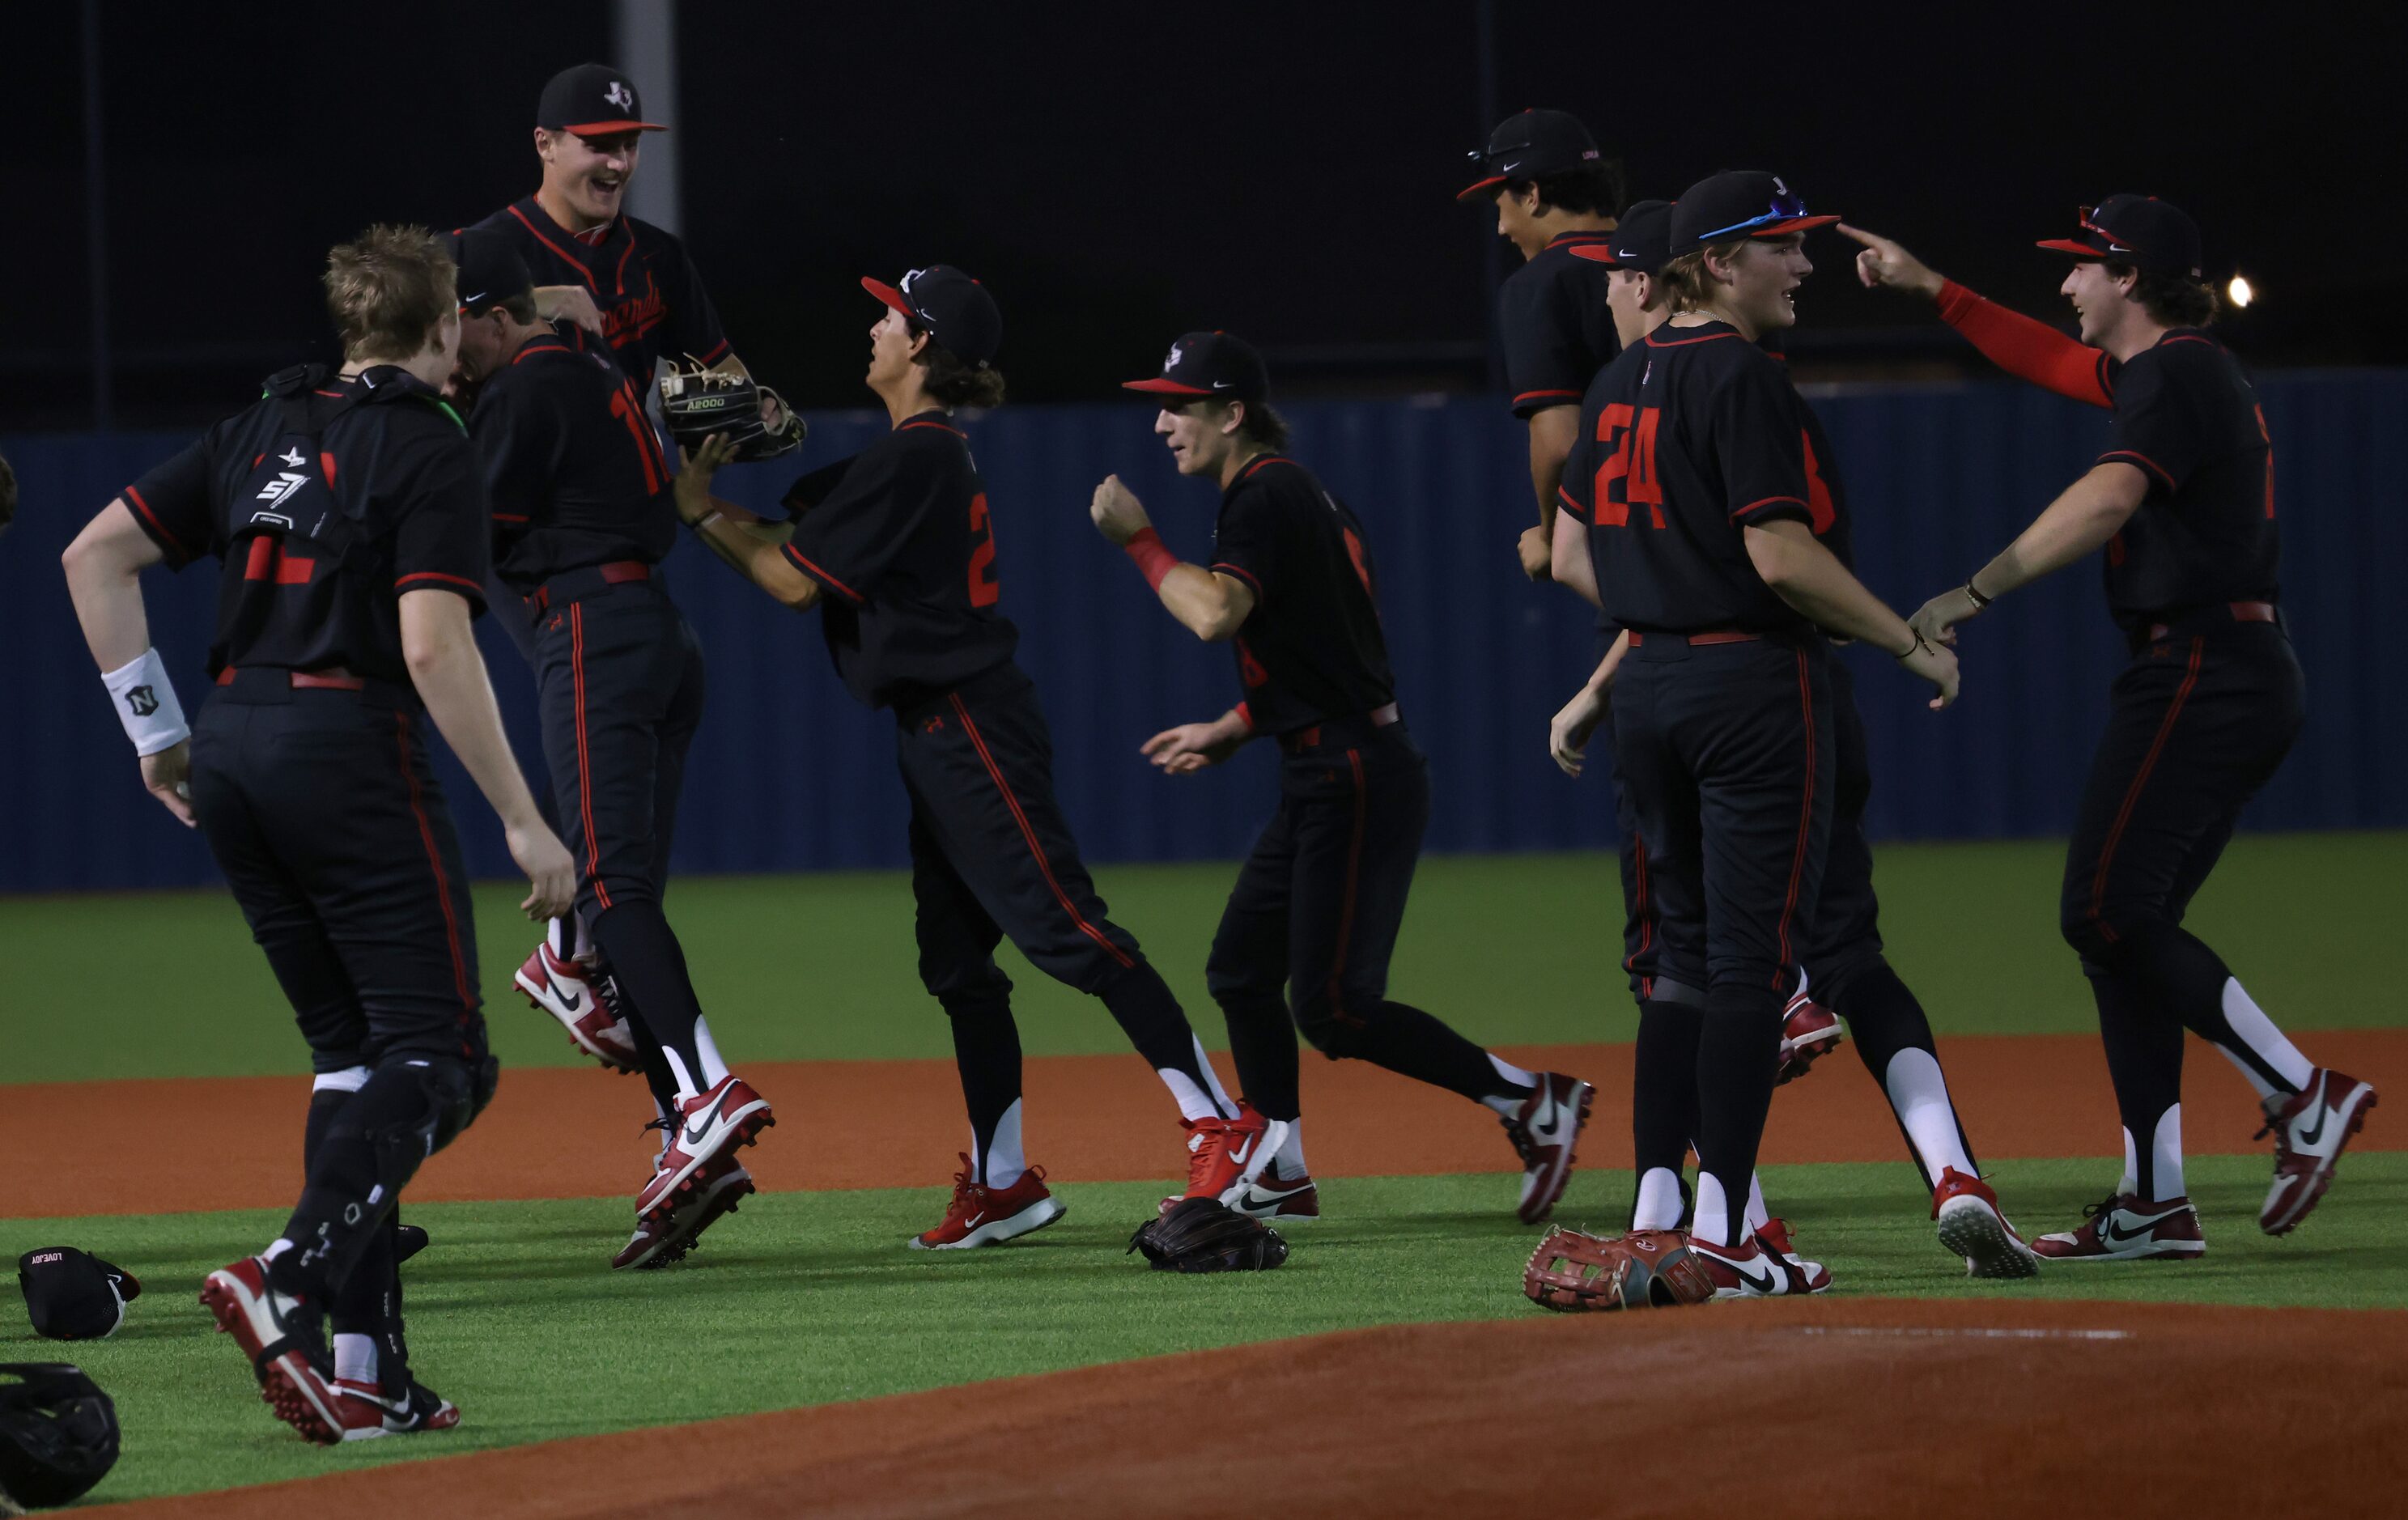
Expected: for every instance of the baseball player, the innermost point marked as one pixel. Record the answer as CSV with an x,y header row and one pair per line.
x,y
631,285
897,549
2183,504
1293,589
1843,951
581,516
1702,514
349,513
1555,192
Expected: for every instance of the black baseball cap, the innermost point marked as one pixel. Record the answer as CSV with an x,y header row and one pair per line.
x,y
1212,364
491,269
1640,240
1529,145
953,308
592,100
1738,203
2140,230
72,1294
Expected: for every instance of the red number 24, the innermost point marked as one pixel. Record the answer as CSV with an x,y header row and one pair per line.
x,y
1628,477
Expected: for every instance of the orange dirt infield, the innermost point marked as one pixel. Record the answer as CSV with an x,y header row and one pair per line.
x,y
1959,1409
150,1147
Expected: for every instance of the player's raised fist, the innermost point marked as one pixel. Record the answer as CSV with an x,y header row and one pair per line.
x,y
1118,514
1884,262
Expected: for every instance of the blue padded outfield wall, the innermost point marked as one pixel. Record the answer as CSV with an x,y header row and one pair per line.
x,y
788,774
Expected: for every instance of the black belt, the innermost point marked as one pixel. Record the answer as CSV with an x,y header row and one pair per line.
x,y
1340,730
263,683
576,585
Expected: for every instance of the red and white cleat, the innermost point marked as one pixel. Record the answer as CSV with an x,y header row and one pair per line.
x,y
727,1116
1746,1270
1809,1032
1971,1226
982,1215
561,989
1224,1155
282,1336
2310,1128
1804,1276
2124,1228
1544,1131
719,1186
368,1414
1273,1196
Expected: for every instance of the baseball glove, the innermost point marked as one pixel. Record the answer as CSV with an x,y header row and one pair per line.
x,y
698,402
1205,1235
1645,1268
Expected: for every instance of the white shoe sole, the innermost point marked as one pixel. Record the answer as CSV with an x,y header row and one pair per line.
x,y
2285,1208
1972,1230
289,1383
540,995
996,1231
2164,1251
1541,1195
729,1129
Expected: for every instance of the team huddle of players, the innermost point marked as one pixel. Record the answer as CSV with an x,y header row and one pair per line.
x,y
1684,488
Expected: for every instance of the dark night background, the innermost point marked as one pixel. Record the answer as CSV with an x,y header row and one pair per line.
x,y
1119,173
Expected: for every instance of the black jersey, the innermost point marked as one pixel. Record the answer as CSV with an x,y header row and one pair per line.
x,y
1687,439
652,303
575,473
898,538
2187,417
1826,503
1311,649
1555,325
408,515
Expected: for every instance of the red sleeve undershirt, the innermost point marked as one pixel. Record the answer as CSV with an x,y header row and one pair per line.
x,y
2025,348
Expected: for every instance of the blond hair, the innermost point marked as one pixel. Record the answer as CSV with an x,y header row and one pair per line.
x,y
1687,286
388,289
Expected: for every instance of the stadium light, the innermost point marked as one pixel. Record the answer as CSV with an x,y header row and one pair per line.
x,y
2239,291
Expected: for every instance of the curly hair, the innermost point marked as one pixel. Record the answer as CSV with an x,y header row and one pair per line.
x,y
2171,300
953,381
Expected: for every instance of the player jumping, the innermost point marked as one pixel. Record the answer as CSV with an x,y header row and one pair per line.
x,y
895,548
582,516
2202,716
1291,588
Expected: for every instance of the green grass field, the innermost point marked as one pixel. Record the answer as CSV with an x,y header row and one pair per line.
x,y
811,1297
1513,950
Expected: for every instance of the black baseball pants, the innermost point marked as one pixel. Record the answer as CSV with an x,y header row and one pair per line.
x,y
1726,750
620,689
1316,911
992,858
323,812
2200,719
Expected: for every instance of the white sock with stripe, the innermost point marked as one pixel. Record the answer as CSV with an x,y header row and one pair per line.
x,y
1228,1105
1006,1158
1194,1102
2254,1029
1919,1093
714,1070
1757,1215
1659,1200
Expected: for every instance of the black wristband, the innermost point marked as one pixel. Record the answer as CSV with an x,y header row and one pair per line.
x,y
1908,653
1974,594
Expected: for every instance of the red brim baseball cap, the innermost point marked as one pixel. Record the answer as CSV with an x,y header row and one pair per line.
x,y
1209,363
1529,145
2140,230
951,306
592,100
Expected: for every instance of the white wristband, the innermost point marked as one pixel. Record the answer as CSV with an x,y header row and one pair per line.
x,y
146,704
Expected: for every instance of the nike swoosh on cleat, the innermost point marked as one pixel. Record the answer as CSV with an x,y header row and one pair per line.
x,y
695,1136
2110,1233
1240,1153
972,1223
1768,1283
572,1001
2309,1137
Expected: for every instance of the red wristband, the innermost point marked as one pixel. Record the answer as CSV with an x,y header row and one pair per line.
x,y
1246,716
1153,557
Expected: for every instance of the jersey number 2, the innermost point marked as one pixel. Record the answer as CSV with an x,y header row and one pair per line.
x,y
1628,477
985,591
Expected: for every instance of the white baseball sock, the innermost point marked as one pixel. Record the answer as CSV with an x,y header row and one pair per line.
x,y
2254,1029
1659,1200
1228,1105
714,1070
355,1357
1006,1158
1757,1215
1712,1211
1290,1155
1194,1103
1919,1093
